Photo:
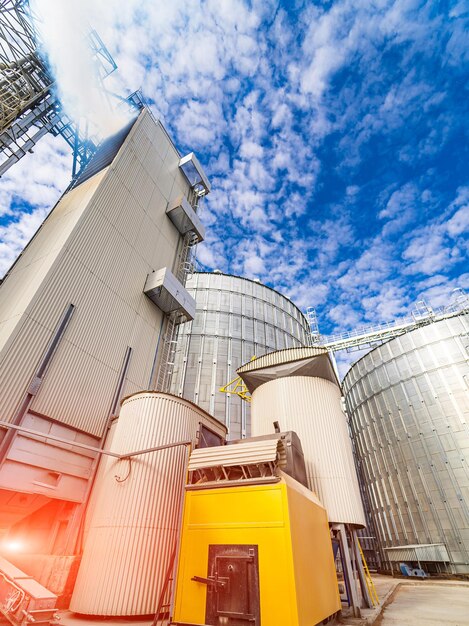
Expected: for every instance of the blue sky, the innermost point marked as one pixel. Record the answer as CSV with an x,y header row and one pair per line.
x,y
334,135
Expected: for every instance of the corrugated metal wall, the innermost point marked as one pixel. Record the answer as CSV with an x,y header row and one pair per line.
x,y
409,405
236,319
312,408
133,524
99,261
95,251
27,274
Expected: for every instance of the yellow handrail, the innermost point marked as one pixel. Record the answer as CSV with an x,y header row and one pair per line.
x,y
239,388
369,581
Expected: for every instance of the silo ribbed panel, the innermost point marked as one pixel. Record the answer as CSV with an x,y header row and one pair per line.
x,y
408,403
312,408
134,523
236,319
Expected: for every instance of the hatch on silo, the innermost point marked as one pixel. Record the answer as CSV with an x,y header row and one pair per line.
x,y
185,218
164,289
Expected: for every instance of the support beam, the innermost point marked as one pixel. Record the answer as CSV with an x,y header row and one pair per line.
x,y
348,569
361,572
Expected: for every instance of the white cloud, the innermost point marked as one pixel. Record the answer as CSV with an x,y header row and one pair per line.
x,y
262,105
37,180
458,224
253,266
250,149
438,245
344,316
15,236
63,26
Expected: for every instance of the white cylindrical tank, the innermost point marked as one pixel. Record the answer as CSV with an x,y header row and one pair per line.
x,y
298,389
312,408
134,514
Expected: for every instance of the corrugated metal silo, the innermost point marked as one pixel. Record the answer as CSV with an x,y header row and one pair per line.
x,y
298,388
236,319
409,406
134,516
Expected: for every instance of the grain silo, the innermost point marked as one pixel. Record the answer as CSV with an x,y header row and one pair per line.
x,y
134,515
86,316
297,390
236,318
409,406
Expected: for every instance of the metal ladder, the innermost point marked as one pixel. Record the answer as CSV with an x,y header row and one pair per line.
x,y
168,350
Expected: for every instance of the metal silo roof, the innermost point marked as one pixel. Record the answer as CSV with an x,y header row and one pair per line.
x,y
311,361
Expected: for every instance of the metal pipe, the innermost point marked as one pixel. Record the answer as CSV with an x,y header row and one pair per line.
x,y
118,393
43,435
37,433
164,447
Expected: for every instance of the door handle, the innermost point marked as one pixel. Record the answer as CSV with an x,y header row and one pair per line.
x,y
209,581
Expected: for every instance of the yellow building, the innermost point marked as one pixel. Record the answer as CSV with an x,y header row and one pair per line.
x,y
255,546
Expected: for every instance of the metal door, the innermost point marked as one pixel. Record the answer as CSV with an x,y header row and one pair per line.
x,y
232,586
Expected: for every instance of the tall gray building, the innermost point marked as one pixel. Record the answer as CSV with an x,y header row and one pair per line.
x,y
409,406
86,315
236,318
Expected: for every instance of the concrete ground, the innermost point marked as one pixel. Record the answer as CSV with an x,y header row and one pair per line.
x,y
427,604
385,585
406,603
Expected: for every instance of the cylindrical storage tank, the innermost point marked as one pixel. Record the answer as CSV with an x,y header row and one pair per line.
x,y
236,319
134,514
409,406
299,390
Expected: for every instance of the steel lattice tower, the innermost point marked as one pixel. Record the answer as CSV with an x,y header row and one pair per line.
x,y
29,106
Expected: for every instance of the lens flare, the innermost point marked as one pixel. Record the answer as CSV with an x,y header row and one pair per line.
x,y
12,545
